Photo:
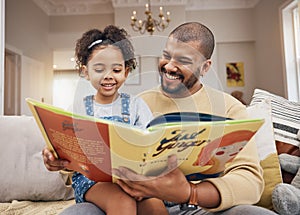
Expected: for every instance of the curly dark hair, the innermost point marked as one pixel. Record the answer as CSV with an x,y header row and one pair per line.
x,y
111,35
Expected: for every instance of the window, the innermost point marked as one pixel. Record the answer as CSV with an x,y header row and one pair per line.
x,y
64,87
68,87
291,48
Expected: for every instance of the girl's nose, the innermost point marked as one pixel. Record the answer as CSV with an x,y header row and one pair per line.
x,y
108,75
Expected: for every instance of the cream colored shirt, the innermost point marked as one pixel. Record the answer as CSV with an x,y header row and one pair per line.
x,y
242,182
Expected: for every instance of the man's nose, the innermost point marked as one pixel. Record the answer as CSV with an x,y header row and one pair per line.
x,y
171,66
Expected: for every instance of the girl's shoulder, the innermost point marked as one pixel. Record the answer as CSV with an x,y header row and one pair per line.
x,y
135,101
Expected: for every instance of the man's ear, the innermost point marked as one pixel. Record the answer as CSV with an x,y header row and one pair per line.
x,y
205,67
84,73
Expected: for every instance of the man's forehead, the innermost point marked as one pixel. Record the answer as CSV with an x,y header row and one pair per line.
x,y
175,45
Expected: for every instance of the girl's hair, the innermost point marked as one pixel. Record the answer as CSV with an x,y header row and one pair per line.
x,y
111,35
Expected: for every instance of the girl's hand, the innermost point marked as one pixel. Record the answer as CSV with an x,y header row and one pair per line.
x,y
52,163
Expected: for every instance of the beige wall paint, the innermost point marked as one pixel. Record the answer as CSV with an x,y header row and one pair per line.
x,y
65,30
237,52
30,30
26,29
268,53
227,25
259,26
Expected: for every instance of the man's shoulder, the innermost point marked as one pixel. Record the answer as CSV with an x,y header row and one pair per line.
x,y
212,91
150,93
233,107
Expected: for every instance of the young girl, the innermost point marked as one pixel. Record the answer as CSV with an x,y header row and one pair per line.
x,y
105,59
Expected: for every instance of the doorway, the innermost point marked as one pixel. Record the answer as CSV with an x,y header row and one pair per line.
x,y
12,83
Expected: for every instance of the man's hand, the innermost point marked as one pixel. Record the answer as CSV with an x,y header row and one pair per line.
x,y
51,163
170,185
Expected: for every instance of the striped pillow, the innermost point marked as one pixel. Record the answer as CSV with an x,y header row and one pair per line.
x,y
285,116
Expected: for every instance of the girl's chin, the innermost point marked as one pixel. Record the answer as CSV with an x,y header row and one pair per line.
x,y
107,92
108,88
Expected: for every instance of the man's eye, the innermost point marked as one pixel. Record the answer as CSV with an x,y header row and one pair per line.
x,y
99,70
184,62
165,56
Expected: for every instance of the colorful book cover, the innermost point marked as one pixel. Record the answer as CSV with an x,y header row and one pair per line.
x,y
94,146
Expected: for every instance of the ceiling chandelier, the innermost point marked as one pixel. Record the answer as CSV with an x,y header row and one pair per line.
x,y
150,24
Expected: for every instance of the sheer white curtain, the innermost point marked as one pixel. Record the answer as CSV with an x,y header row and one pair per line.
x,y
291,47
64,87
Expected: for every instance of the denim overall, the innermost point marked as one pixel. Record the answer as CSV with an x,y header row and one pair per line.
x,y
81,184
125,101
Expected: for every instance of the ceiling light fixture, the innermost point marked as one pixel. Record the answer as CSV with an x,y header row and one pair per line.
x,y
150,24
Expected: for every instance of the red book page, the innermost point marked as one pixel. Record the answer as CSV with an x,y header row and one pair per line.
x,y
84,143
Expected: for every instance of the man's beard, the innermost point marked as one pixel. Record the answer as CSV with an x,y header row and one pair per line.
x,y
183,87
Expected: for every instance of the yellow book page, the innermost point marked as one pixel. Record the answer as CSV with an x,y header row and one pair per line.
x,y
201,148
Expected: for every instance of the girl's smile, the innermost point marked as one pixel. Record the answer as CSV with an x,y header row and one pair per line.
x,y
106,72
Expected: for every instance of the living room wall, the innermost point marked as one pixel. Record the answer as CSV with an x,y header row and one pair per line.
x,y
240,36
237,31
268,46
26,34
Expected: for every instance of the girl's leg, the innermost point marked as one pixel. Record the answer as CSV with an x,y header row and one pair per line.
x,y
151,206
111,199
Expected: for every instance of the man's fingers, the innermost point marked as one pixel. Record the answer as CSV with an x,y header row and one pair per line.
x,y
172,162
125,185
127,174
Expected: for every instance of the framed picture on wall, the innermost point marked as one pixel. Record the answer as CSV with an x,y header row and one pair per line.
x,y
235,74
134,77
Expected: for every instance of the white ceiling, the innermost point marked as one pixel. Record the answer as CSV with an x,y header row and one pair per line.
x,y
80,7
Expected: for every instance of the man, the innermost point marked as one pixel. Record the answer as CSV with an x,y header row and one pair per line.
x,y
185,59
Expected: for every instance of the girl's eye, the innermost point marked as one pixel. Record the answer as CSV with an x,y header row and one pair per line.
x,y
117,70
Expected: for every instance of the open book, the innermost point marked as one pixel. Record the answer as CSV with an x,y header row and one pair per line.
x,y
203,143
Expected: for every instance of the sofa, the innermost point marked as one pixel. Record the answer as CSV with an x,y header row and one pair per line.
x,y
27,187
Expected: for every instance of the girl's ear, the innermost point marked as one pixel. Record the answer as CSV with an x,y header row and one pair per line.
x,y
84,72
205,67
127,70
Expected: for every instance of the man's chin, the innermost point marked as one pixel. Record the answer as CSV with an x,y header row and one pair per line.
x,y
172,90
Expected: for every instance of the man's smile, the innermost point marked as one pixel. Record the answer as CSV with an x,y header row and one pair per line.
x,y
173,76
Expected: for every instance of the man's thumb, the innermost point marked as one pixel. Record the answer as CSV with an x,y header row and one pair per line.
x,y
172,162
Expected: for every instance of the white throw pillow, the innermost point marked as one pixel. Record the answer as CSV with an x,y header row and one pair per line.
x,y
23,174
264,137
265,142
285,116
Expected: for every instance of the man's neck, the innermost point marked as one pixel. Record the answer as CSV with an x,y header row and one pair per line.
x,y
185,94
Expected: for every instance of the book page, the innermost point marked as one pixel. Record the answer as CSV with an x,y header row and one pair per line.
x,y
84,143
202,149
